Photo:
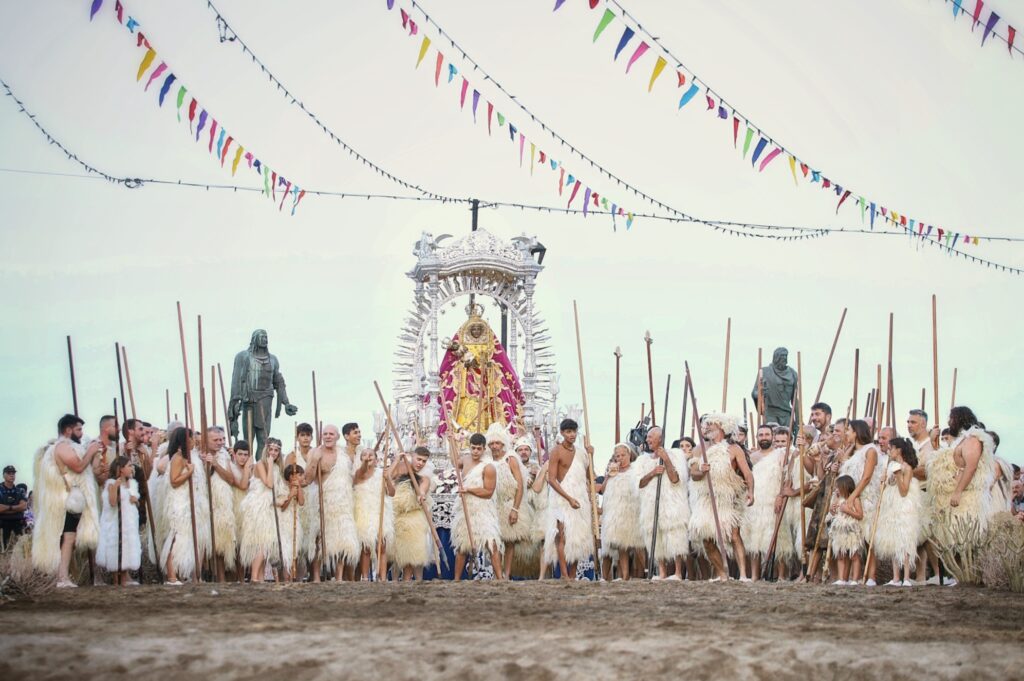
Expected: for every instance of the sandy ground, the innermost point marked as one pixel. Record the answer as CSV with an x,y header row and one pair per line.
x,y
525,630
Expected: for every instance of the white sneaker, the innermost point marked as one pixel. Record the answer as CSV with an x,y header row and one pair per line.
x,y
715,579
951,581
655,578
839,582
174,583
745,579
894,582
674,578
932,581
617,579
66,584
907,582
870,582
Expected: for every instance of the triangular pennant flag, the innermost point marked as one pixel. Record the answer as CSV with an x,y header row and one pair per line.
x,y
977,13
975,241
735,132
627,35
220,141
165,88
192,112
746,141
681,77
792,169
558,3
956,7
96,4
804,168
722,113
476,100
603,24
522,145
224,151
594,3
575,188
533,150
490,111
181,98
119,10
424,46
437,69
543,157
815,176
213,131
147,59
688,95
659,66
768,159
639,52
993,19
501,120
872,212
451,72
512,132
561,181
711,102
586,201
202,123
238,157
413,28
157,72
761,144
846,195
405,18
462,96
629,219
554,164
1011,33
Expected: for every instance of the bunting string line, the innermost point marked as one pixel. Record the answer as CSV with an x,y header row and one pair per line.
x,y
722,109
990,23
228,34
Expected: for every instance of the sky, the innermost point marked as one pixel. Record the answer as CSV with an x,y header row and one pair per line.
x,y
894,99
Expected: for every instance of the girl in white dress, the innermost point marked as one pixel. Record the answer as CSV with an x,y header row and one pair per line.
x,y
620,512
899,512
118,553
268,494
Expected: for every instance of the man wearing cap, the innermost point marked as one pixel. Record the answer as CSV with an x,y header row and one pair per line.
x,y
13,502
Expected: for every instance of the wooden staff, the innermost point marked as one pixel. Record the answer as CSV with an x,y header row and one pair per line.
x,y
803,451
878,402
922,399
295,544
224,400
682,422
213,395
725,379
651,567
618,419
704,459
167,398
120,529
415,480
828,485
184,365
128,378
889,415
878,512
203,447
316,412
952,399
273,505
381,566
856,378
824,375
935,359
71,368
120,381
196,577
591,487
760,389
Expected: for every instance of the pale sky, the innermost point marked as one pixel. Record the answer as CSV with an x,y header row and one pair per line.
x,y
893,99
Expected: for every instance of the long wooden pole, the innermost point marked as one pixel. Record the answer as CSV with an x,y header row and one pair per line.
x,y
454,455
803,450
204,447
184,366
71,368
704,459
889,414
224,399
922,399
618,419
591,480
651,560
935,359
878,401
120,381
213,395
856,379
128,378
316,412
167,398
650,376
952,398
725,379
824,375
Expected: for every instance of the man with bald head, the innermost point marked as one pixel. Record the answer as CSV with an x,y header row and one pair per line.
x,y
885,436
329,475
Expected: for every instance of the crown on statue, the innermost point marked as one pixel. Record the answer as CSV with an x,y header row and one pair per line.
x,y
474,310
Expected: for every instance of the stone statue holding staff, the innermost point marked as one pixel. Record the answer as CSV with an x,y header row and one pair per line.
x,y
255,378
779,385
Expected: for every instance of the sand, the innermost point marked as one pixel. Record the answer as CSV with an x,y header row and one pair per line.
x,y
525,630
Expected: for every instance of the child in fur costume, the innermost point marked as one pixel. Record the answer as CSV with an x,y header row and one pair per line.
x,y
269,494
413,547
509,493
898,511
844,531
121,551
178,555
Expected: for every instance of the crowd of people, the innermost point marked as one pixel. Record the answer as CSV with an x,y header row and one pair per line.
x,y
830,504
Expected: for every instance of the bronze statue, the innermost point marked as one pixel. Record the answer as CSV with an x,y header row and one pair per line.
x,y
255,378
779,381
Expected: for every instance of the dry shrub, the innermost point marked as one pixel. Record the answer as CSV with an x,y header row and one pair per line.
x,y
18,579
1001,558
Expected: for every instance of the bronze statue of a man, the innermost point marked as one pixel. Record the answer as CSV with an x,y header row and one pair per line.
x,y
779,384
255,378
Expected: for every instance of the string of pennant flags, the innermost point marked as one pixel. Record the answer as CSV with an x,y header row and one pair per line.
x,y
750,229
219,142
990,23
748,139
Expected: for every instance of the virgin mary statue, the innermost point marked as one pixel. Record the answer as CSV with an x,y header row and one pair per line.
x,y
478,384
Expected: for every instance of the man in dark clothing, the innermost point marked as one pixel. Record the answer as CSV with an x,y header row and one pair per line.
x,y
13,503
